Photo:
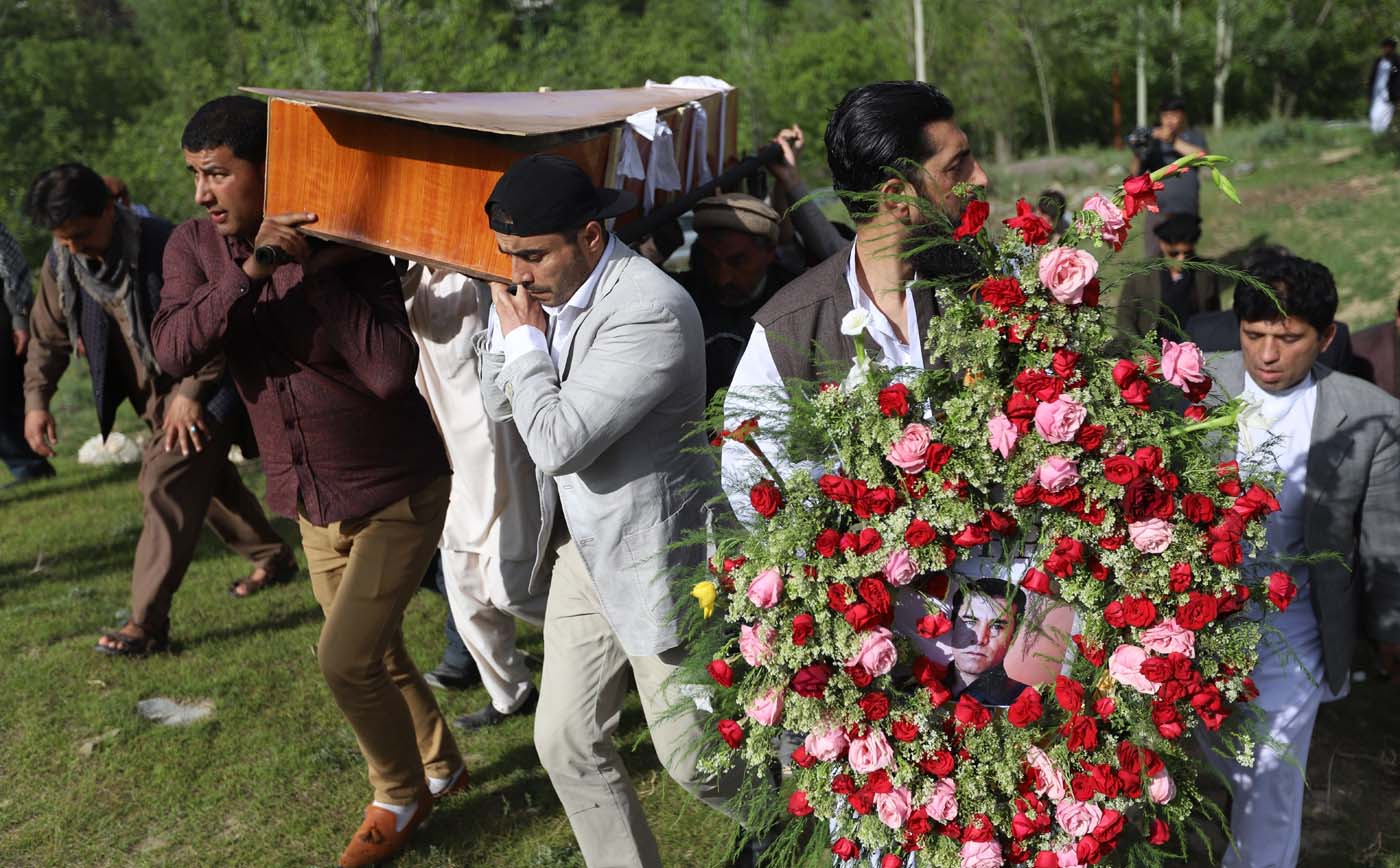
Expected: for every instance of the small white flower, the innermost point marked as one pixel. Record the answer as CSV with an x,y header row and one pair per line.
x,y
860,372
854,323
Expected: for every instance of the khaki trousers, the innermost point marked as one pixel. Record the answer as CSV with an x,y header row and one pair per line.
x,y
363,572
180,493
581,695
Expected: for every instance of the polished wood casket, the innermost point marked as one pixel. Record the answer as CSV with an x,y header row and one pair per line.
x,y
409,173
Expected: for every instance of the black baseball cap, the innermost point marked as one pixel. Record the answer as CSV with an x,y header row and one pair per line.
x,y
546,193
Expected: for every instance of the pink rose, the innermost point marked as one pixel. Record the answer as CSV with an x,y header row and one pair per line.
x,y
943,805
1182,364
870,753
1066,271
766,589
767,708
1077,818
1052,783
826,746
893,807
909,450
1057,474
1161,789
1059,421
1068,857
1125,667
1152,536
1170,637
899,568
877,654
981,854
1115,225
1002,435
756,643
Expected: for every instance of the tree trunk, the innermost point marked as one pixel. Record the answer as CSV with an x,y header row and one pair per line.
x,y
375,78
1116,137
1176,49
1224,45
920,55
1047,99
1141,66
1001,147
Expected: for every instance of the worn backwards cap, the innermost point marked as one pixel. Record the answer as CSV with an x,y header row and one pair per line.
x,y
546,193
738,212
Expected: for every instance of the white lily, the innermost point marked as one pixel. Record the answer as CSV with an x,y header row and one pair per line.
x,y
1253,425
859,373
855,322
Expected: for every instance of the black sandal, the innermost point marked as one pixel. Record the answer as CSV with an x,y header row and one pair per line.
x,y
124,645
277,574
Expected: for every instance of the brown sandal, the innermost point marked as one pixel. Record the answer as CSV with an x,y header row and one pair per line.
x,y
277,574
126,645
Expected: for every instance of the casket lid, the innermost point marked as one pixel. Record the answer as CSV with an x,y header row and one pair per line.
x,y
511,114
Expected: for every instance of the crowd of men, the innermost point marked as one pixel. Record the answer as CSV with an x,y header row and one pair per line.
x,y
536,446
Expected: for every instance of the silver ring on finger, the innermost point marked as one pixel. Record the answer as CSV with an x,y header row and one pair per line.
x,y
194,429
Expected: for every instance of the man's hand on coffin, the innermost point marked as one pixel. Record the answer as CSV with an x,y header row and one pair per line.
x,y
279,230
791,141
514,310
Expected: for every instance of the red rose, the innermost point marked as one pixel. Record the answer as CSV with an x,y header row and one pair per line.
x,y
894,400
845,849
890,860
875,706
797,804
803,759
1143,500
1003,293
1039,385
1064,362
1198,508
1069,694
972,535
1198,611
1093,653
938,694
919,534
904,731
918,824
998,522
836,597
810,681
837,488
1070,498
1104,707
843,785
1140,194
1120,469
1167,721
1196,392
719,670
1035,230
1088,850
927,672
1281,590
1081,733
970,712
1161,832
827,542
979,828
869,541
1139,611
1036,581
1090,437
936,456
940,764
973,216
1229,488
1196,413
731,732
1138,394
766,498
863,617
802,627
1149,458
933,626
1026,710
880,501
1226,553
862,801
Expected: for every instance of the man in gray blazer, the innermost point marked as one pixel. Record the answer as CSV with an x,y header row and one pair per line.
x,y
599,357
1334,440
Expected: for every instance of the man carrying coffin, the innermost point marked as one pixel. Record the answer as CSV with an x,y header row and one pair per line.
x,y
1336,441
597,354
321,352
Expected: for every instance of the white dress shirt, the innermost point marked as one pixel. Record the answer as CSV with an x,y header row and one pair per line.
x,y
562,320
757,389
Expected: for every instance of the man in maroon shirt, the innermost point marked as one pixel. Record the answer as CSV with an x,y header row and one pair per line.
x,y
321,353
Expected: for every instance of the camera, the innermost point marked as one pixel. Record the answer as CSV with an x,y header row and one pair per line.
x,y
1140,140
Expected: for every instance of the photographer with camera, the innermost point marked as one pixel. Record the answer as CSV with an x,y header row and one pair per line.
x,y
1172,139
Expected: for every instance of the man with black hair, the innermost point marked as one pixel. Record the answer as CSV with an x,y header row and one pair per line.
x,y
101,283
1335,440
894,148
986,614
1165,298
1383,87
16,297
1172,139
321,352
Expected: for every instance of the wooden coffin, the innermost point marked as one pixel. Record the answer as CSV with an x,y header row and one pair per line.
x,y
409,173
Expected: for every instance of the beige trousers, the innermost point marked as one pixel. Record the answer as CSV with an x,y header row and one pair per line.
x,y
485,617
581,695
363,572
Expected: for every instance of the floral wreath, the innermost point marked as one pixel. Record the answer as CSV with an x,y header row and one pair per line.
x,y
1037,456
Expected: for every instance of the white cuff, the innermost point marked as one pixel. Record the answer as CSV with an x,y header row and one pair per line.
x,y
523,339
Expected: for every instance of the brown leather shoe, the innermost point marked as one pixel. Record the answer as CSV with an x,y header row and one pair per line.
x,y
376,839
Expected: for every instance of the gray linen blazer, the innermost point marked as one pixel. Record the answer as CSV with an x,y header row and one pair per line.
x,y
618,442
1352,508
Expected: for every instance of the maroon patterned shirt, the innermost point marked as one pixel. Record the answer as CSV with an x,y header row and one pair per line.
x,y
324,362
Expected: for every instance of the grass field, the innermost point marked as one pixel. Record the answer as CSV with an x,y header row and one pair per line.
x,y
274,777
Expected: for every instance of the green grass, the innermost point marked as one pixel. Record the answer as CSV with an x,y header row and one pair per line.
x,y
274,778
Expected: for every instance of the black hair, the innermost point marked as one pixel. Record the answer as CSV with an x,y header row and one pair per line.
x,y
991,588
1172,104
876,128
1179,229
64,193
1302,287
1389,41
238,121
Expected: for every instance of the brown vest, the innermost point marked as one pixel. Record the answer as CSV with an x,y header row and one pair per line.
x,y
803,322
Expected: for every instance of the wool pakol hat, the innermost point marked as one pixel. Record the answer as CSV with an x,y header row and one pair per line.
x,y
737,212
546,193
